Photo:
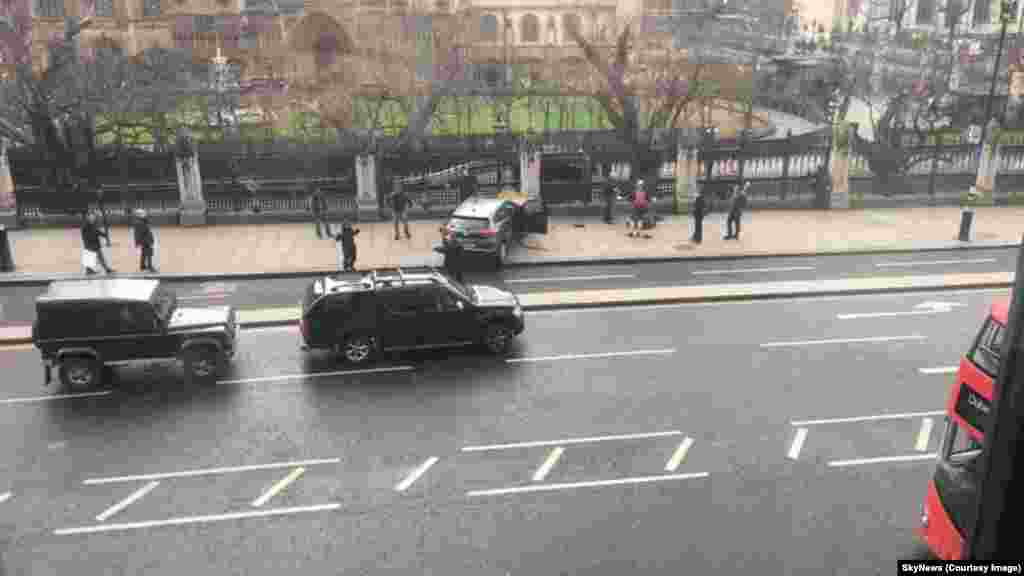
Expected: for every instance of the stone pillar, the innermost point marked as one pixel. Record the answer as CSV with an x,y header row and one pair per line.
x,y
8,202
529,171
988,165
686,179
192,211
367,204
839,165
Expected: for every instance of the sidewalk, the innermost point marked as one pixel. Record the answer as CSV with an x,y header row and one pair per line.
x,y
284,248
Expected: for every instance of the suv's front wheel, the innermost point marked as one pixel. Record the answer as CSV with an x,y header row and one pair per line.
x,y
79,373
358,348
497,338
202,364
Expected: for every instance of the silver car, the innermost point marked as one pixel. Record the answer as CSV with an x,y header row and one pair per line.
x,y
489,225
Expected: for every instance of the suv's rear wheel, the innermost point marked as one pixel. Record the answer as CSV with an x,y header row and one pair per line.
x,y
358,348
79,373
202,364
497,338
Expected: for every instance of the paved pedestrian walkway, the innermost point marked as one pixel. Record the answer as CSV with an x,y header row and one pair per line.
x,y
294,247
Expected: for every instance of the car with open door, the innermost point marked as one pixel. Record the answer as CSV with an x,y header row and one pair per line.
x,y
490,226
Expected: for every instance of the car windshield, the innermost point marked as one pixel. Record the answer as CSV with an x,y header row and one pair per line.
x,y
166,302
468,225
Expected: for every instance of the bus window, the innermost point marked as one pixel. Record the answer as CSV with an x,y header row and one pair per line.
x,y
985,353
961,449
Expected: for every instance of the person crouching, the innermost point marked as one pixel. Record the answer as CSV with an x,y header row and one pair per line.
x,y
347,241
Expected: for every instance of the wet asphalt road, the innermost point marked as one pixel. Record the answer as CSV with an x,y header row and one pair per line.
x,y
726,380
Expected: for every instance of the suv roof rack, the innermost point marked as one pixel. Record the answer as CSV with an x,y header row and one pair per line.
x,y
388,275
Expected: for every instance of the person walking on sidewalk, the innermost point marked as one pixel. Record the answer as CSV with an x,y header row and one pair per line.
x,y
145,240
739,204
346,240
92,250
700,209
399,203
101,204
318,206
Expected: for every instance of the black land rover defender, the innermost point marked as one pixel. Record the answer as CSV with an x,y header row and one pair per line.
x,y
84,326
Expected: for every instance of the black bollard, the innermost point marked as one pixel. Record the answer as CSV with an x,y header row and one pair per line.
x,y
966,221
6,259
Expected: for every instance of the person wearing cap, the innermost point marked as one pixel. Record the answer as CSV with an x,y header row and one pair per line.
x,y
144,240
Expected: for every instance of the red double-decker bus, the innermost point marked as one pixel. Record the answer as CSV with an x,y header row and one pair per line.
x,y
951,503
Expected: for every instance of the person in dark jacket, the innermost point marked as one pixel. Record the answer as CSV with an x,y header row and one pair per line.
x,y
609,192
739,204
318,206
454,254
91,235
467,185
145,240
101,204
347,239
700,210
399,203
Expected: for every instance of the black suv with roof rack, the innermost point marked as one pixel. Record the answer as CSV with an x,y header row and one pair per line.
x,y
359,314
82,327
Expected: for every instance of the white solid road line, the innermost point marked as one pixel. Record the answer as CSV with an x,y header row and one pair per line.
x,y
271,329
565,441
209,471
745,270
548,464
54,397
569,278
595,483
195,519
132,498
843,341
892,416
5,497
939,370
924,435
882,460
679,455
934,262
888,314
277,487
415,475
798,444
664,351
317,375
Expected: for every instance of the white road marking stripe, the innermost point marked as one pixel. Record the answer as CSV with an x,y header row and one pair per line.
x,y
131,499
571,441
888,314
679,455
595,483
742,270
664,351
54,397
798,444
209,471
548,464
415,475
317,375
924,435
277,487
569,278
939,370
892,416
271,329
211,296
842,341
934,262
195,519
882,460
5,497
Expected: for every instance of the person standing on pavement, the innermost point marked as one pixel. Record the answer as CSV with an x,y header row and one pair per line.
x,y
641,206
739,204
347,241
453,254
144,239
609,193
91,234
102,208
467,186
399,203
700,209
318,206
